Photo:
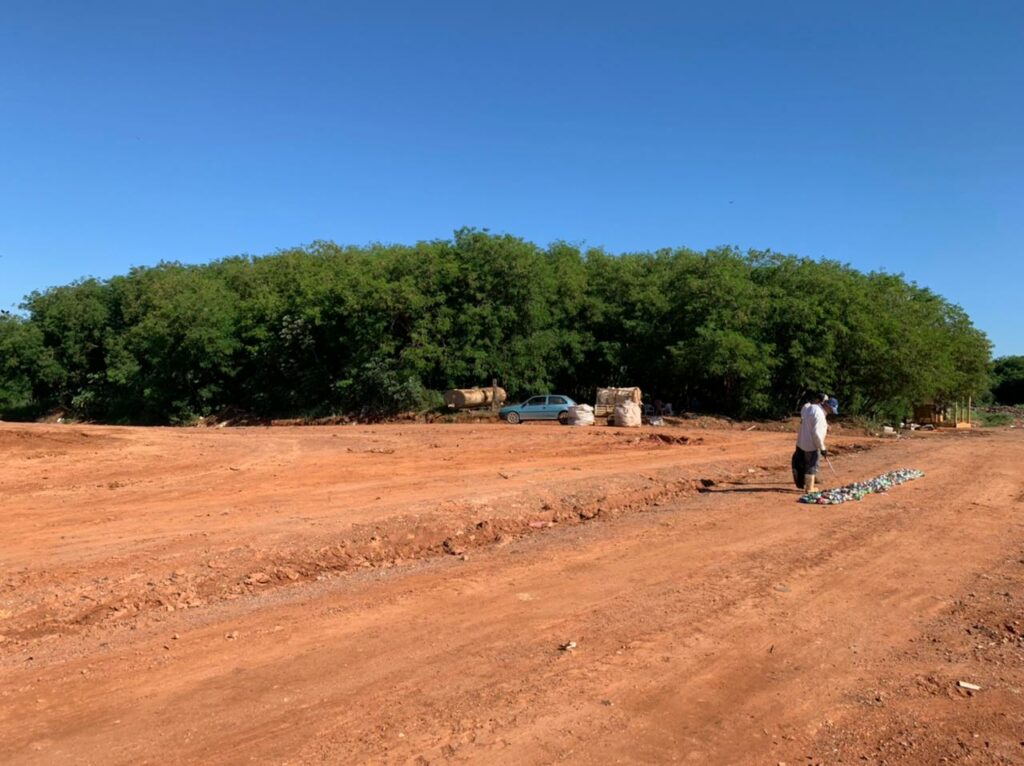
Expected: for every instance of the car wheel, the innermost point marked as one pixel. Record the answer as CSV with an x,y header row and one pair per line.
x,y
512,417
563,417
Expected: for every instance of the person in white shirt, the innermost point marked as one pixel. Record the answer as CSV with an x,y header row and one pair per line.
x,y
813,430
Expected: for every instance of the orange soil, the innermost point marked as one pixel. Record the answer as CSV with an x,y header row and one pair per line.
x,y
400,594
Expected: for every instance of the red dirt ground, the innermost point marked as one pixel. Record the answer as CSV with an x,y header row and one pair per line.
x,y
400,594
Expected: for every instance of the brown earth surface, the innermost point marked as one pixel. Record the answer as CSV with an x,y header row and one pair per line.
x,y
512,595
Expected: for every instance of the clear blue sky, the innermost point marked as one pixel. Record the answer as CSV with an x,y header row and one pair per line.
x,y
885,135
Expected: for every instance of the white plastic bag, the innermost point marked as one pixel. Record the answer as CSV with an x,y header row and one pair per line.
x,y
627,415
581,415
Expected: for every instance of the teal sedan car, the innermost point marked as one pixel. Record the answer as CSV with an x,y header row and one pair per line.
x,y
553,407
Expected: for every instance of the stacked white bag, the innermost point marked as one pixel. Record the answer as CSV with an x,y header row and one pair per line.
x,y
581,415
627,414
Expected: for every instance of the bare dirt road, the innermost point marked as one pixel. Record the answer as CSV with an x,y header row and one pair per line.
x,y
401,594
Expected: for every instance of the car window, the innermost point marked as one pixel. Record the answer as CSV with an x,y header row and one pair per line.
x,y
536,400
556,400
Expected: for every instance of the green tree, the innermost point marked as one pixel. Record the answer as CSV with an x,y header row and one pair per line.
x,y
28,371
384,328
1008,380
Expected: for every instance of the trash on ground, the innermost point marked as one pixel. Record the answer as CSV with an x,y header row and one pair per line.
x,y
858,490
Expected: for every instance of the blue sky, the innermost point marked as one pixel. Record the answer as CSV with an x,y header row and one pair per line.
x,y
884,135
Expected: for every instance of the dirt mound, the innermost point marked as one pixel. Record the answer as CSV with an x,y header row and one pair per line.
x,y
51,441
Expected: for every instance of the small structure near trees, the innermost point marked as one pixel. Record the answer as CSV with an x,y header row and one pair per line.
x,y
946,415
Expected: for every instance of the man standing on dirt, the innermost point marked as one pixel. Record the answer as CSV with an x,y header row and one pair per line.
x,y
811,439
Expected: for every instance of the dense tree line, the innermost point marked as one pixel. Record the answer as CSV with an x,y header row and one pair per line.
x,y
1008,380
380,329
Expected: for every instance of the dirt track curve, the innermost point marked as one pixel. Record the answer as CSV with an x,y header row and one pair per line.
x,y
402,593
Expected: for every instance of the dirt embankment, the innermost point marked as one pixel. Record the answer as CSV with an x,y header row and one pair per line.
x,y
409,593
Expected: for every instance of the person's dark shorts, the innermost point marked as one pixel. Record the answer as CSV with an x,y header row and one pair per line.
x,y
811,461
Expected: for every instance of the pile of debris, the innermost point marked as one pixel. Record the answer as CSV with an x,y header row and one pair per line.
x,y
1014,411
608,398
622,406
858,490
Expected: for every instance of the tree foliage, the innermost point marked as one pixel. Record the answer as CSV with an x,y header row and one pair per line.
x,y
1008,380
380,329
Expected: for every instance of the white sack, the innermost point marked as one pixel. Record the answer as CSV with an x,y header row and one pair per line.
x,y
581,415
627,414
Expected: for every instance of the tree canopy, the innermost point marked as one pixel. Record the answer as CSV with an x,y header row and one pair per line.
x,y
380,329
1008,380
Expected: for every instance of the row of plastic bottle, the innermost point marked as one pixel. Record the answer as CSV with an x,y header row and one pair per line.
x,y
859,489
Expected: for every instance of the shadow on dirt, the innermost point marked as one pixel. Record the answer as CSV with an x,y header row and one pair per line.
x,y
723,490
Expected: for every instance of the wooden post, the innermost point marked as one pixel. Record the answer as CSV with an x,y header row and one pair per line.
x,y
494,394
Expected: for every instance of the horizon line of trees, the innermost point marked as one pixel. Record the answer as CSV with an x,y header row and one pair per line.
x,y
381,329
